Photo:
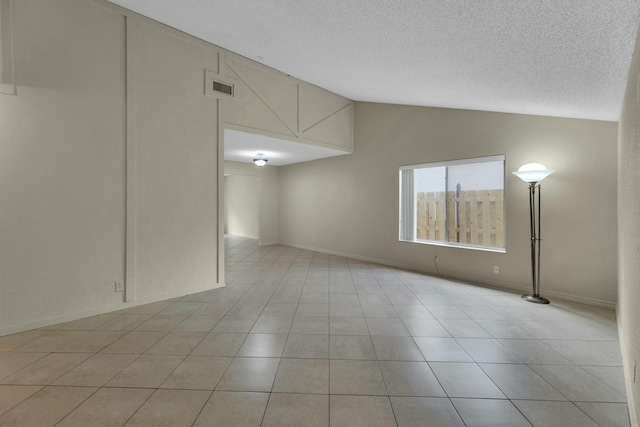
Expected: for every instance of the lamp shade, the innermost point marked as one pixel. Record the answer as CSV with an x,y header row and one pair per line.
x,y
260,160
533,172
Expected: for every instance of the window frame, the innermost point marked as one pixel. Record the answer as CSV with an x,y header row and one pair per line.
x,y
407,218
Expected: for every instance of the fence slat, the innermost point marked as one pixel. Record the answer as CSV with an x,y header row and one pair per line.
x,y
486,218
480,213
499,225
421,216
451,201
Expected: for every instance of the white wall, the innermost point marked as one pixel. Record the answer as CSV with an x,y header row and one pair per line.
x,y
269,199
629,234
62,162
242,205
108,164
110,169
176,164
111,161
349,204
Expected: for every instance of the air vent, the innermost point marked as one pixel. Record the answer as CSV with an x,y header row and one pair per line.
x,y
215,85
223,88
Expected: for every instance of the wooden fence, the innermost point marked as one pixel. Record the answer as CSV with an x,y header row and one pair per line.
x,y
475,217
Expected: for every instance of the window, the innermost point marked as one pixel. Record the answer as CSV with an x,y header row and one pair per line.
x,y
458,203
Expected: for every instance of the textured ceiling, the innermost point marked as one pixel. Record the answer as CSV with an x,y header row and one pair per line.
x,y
566,58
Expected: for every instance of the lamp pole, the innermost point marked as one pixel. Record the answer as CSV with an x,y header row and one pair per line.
x,y
534,216
533,173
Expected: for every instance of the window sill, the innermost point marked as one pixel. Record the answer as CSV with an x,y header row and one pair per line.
x,y
457,245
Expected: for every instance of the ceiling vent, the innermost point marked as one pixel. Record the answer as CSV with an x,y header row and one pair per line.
x,y
216,86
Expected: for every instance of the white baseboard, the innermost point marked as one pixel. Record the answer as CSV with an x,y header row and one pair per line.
x,y
69,317
461,277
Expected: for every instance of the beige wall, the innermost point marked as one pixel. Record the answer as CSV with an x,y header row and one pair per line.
x,y
62,167
241,205
111,170
271,103
349,204
108,164
629,234
176,163
111,158
269,191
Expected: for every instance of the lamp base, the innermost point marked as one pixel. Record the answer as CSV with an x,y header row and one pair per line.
x,y
535,298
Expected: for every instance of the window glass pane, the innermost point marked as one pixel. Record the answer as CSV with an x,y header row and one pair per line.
x,y
430,189
476,204
431,179
476,176
457,202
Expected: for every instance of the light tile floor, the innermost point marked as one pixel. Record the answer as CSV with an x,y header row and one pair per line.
x,y
299,338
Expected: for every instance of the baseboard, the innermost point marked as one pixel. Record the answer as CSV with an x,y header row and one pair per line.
x,y
242,235
267,243
69,317
463,278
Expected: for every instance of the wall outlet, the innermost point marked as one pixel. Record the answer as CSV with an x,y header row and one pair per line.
x,y
496,269
119,286
436,259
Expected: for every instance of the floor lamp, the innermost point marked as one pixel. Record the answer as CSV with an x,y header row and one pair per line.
x,y
533,173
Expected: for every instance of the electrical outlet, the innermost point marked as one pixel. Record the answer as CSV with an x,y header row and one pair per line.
x,y
119,286
435,258
496,269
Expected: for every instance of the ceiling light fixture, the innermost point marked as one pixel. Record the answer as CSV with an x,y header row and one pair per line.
x,y
260,160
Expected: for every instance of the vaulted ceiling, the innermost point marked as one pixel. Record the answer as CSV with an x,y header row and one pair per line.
x,y
566,58
563,58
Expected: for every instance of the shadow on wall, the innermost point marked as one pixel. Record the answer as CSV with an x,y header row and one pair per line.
x,y
242,205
